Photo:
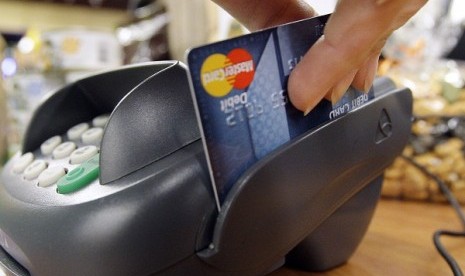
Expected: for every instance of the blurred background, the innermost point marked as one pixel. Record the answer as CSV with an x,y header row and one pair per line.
x,y
45,44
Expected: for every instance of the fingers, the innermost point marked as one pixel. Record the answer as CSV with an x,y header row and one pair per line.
x,y
361,80
365,76
349,50
347,53
340,88
259,14
320,71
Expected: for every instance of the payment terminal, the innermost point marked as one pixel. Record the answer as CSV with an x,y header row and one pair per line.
x,y
112,179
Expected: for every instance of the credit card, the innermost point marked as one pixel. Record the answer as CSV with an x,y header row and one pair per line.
x,y
239,87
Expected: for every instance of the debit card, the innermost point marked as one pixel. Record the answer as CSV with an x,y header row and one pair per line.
x,y
239,87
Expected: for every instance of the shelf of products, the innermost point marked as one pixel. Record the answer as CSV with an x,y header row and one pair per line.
x,y
438,133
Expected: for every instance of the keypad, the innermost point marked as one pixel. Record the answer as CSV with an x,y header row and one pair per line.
x,y
69,162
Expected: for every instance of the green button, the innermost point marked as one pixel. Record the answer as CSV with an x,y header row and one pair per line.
x,y
79,177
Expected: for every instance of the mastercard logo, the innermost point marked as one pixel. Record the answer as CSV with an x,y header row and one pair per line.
x,y
221,73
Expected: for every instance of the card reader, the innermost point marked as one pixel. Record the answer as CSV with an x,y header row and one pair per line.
x,y
112,179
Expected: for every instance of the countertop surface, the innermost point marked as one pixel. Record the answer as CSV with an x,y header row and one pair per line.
x,y
399,242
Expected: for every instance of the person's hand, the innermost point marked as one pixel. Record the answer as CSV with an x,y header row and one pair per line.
x,y
348,52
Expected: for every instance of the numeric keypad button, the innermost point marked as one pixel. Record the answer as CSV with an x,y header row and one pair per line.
x,y
100,121
48,146
34,169
92,136
64,150
82,154
24,161
76,131
50,176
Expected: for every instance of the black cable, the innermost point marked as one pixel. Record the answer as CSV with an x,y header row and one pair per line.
x,y
442,186
455,204
443,251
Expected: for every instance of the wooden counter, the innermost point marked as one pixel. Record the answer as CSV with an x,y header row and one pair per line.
x,y
399,242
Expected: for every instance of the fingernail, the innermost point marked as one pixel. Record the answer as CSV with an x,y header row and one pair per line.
x,y
312,104
307,111
368,83
371,74
328,95
337,93
367,86
341,87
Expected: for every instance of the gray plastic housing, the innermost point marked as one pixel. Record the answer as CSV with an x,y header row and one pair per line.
x,y
308,204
